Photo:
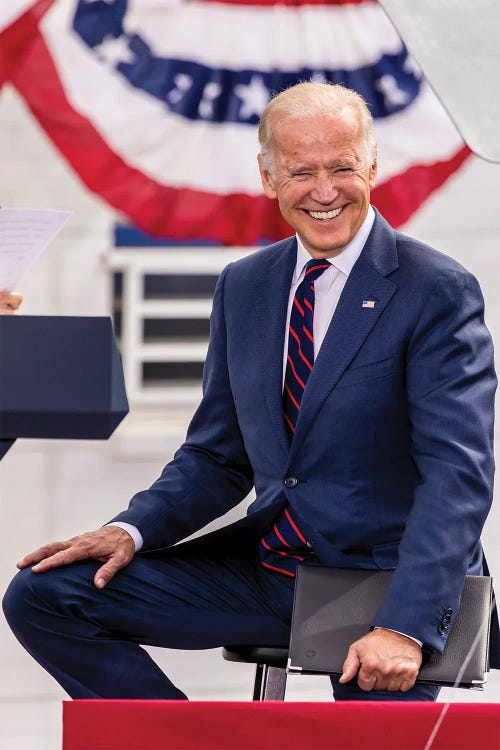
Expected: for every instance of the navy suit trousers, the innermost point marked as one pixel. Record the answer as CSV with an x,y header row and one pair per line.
x,y
89,639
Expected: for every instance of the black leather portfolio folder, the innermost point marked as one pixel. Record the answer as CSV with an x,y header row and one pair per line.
x,y
333,607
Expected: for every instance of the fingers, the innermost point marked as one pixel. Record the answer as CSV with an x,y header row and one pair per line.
x,y
400,686
108,571
383,660
379,676
122,555
407,685
54,555
41,553
393,679
368,679
9,302
110,544
350,666
63,557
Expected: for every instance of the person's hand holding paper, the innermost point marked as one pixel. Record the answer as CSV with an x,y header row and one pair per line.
x,y
9,302
24,233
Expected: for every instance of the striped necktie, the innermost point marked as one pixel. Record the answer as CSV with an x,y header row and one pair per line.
x,y
300,357
284,546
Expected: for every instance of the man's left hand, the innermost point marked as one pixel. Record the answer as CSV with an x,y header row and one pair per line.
x,y
9,302
383,660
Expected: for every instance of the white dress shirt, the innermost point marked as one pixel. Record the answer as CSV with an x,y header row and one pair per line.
x,y
328,287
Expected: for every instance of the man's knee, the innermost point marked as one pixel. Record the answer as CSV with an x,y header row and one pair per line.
x,y
29,595
19,598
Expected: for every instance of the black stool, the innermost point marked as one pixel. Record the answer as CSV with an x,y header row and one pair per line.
x,y
270,673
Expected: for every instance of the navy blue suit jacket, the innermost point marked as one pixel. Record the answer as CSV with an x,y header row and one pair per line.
x,y
393,446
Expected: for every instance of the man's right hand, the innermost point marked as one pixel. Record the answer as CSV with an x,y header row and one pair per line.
x,y
111,545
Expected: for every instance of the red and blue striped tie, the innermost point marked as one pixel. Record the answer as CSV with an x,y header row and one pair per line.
x,y
284,546
300,357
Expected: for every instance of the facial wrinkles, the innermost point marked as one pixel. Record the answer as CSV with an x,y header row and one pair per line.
x,y
291,169
340,170
319,183
322,135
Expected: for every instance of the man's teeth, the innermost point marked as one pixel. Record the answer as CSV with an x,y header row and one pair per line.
x,y
325,214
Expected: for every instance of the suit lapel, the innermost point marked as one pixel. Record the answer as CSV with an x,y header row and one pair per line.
x,y
351,323
271,303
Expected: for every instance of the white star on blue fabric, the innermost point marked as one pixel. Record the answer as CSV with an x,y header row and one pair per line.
x,y
411,66
115,50
393,95
254,96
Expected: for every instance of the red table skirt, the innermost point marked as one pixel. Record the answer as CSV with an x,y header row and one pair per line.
x,y
179,725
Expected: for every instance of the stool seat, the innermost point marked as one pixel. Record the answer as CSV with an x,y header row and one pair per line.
x,y
273,656
270,672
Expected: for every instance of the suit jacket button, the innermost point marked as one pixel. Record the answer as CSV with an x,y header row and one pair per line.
x,y
291,482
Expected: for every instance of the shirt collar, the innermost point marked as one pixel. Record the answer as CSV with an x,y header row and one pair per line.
x,y
347,257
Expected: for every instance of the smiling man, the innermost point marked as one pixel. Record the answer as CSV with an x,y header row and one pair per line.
x,y
320,163
350,380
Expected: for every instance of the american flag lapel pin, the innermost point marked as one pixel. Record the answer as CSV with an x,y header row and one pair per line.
x,y
368,303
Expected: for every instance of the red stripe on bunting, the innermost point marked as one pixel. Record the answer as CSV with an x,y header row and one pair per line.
x,y
17,37
159,210
403,194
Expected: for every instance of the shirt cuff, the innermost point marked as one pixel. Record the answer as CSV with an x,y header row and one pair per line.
x,y
420,643
132,530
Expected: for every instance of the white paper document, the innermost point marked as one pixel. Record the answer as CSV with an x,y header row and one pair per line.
x,y
24,234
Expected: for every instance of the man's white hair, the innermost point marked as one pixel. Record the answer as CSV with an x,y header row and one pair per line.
x,y
310,99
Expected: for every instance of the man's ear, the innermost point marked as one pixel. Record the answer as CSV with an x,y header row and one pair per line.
x,y
373,174
266,179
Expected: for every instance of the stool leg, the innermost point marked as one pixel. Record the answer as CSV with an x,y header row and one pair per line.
x,y
270,683
274,684
257,686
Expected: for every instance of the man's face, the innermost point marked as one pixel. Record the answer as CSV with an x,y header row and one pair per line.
x,y
322,179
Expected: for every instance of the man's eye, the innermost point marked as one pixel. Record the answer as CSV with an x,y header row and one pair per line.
x,y
301,175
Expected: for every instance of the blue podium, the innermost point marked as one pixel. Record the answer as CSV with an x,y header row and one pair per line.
x,y
60,377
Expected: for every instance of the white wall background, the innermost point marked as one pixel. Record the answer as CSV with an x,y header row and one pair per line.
x,y
55,489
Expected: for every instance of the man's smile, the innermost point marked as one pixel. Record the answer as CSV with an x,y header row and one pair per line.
x,y
324,215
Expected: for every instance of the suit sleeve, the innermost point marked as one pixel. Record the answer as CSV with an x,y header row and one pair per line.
x,y
210,473
451,385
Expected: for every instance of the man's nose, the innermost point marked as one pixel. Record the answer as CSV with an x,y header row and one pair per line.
x,y
325,188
